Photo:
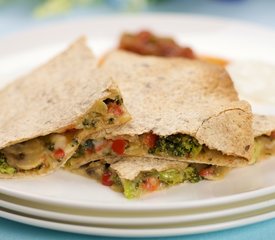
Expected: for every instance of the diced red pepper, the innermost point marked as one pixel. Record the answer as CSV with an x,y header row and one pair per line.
x,y
207,172
106,179
151,184
59,153
118,146
150,139
115,109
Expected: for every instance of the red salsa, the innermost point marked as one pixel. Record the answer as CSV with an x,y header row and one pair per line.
x,y
146,43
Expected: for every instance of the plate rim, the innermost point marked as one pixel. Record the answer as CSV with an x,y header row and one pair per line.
x,y
133,220
127,232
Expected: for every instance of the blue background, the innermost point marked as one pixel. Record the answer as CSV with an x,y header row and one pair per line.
x,y
17,17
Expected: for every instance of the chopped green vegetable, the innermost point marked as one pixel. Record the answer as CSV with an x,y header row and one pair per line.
x,y
191,174
177,145
171,176
131,188
174,176
4,167
87,123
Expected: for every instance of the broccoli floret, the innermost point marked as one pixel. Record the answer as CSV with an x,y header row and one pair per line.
x,y
171,176
177,145
191,174
4,167
131,189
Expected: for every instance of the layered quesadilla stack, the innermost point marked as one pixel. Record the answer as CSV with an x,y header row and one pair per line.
x,y
135,176
187,124
46,114
179,109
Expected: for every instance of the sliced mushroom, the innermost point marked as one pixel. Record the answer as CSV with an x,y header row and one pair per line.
x,y
27,155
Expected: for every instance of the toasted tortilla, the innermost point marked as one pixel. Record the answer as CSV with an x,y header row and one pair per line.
x,y
54,98
169,96
263,125
130,168
135,176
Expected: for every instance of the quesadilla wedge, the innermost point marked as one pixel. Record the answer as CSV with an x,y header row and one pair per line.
x,y
181,110
135,176
46,114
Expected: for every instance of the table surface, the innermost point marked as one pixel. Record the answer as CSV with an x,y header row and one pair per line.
x,y
17,17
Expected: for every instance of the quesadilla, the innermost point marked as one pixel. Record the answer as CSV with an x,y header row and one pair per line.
x,y
136,176
181,110
46,114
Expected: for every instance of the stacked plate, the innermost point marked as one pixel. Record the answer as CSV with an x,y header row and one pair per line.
x,y
67,202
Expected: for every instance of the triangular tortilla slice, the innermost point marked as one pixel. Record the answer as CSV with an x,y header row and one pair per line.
x,y
46,114
135,176
181,109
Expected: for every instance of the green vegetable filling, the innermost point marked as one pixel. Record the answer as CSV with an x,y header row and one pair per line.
x,y
89,123
4,167
87,145
133,189
177,145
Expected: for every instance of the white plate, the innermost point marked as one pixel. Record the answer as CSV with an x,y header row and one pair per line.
x,y
65,189
211,36
133,219
157,231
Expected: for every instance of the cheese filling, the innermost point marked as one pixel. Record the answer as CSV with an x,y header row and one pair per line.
x,y
177,145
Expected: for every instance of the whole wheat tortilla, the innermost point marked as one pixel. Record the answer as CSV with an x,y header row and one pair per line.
x,y
130,167
168,96
263,125
53,97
